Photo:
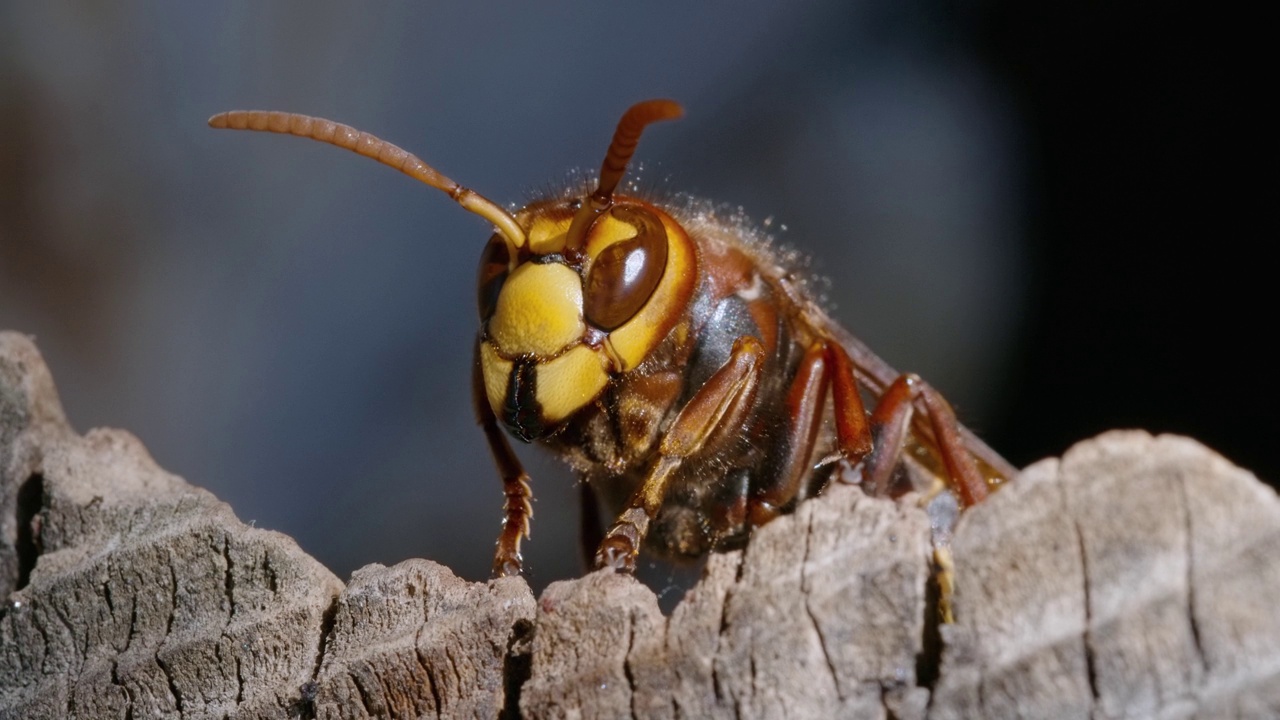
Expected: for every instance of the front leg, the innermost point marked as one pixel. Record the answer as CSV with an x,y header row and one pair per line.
x,y
518,508
722,402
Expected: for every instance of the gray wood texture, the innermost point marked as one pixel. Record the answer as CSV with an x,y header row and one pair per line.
x,y
1134,577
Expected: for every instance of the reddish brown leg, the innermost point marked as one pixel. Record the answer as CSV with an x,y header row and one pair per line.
x,y
890,422
804,407
518,508
825,364
853,435
721,402
965,477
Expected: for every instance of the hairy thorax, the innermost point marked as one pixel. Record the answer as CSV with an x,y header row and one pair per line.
x,y
612,443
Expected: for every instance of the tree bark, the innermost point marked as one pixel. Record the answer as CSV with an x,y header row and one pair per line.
x,y
1134,577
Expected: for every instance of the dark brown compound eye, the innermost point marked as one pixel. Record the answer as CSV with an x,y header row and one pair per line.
x,y
494,264
625,274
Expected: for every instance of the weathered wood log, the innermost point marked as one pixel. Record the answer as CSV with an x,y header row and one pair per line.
x,y
1134,577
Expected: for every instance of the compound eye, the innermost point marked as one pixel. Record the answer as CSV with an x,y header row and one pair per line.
x,y
625,274
494,264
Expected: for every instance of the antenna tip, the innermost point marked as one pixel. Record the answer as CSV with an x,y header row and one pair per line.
x,y
658,109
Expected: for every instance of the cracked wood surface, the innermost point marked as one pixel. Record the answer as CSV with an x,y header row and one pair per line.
x,y
1133,577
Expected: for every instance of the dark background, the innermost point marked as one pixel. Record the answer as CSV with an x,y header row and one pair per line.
x,y
1149,306
1038,210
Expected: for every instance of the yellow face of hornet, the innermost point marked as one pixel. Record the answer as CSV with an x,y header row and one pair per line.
x,y
560,317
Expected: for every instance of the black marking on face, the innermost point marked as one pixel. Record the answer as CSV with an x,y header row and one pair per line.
x,y
520,410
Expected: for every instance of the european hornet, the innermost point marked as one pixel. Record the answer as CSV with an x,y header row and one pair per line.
x,y
674,358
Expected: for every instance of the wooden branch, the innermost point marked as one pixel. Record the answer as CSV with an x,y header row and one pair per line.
x,y
1135,577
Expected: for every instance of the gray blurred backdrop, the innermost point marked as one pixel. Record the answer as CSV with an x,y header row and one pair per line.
x,y
289,325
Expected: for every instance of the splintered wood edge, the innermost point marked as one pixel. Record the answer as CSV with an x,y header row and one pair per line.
x,y
1132,577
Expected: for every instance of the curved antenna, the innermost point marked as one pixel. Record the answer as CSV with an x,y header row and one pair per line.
x,y
623,146
625,139
357,141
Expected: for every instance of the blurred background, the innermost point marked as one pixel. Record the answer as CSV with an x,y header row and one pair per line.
x,y
1033,209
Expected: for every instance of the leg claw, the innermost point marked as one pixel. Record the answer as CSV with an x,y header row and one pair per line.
x,y
618,553
506,566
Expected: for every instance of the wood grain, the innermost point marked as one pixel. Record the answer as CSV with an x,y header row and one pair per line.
x,y
1134,577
